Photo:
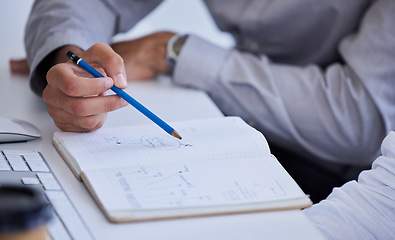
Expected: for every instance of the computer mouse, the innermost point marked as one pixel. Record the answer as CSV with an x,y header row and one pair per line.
x,y
16,130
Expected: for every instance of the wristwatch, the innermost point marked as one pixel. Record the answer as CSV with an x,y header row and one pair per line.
x,y
174,46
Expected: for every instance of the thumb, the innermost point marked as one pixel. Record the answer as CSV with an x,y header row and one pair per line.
x,y
110,61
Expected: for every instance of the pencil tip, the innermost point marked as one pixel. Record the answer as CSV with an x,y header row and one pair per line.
x,y
175,134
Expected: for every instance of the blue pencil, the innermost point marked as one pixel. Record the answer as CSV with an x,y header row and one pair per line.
x,y
125,96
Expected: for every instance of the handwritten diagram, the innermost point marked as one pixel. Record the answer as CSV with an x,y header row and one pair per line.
x,y
160,142
150,188
191,184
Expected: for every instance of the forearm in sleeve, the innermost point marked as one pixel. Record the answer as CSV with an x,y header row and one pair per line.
x,y
339,114
363,209
56,23
326,114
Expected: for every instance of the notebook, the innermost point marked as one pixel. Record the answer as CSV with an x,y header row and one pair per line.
x,y
139,173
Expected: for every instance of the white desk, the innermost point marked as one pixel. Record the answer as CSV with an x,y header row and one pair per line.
x,y
17,100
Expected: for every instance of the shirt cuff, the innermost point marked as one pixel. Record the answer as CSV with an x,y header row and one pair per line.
x,y
199,63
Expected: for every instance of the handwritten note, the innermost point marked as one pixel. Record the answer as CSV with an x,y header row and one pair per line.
x,y
140,172
175,185
136,145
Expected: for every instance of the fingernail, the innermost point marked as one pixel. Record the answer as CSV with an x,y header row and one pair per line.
x,y
109,83
120,80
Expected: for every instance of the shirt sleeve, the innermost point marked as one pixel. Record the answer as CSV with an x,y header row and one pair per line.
x,y
56,23
339,114
363,209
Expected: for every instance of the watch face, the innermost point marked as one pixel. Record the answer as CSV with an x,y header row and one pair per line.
x,y
174,46
177,48
179,42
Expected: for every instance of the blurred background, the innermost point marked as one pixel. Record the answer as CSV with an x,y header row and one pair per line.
x,y
173,15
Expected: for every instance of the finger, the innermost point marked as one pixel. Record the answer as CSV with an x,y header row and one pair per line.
x,y
67,122
112,63
84,106
19,66
94,105
74,81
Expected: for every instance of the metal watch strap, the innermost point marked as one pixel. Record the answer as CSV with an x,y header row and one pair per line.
x,y
174,46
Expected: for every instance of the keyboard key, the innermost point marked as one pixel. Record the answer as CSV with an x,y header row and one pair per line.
x,y
30,181
68,214
17,163
36,163
4,164
48,181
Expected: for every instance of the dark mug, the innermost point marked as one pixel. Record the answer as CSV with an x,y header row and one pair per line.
x,y
24,213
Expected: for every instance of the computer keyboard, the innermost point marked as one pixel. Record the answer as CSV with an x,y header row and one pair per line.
x,y
30,168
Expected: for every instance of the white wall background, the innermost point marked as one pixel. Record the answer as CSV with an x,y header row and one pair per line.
x,y
12,29
183,16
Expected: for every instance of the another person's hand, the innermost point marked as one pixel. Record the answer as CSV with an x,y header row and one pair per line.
x,y
77,101
144,57
19,66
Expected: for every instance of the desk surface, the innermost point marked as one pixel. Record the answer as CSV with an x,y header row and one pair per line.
x,y
169,102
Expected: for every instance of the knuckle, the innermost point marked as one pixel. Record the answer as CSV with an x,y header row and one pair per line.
x,y
52,72
116,59
99,45
90,122
61,126
46,95
98,125
96,46
70,88
51,111
55,72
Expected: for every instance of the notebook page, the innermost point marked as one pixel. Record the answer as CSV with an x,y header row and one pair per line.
x,y
202,140
192,184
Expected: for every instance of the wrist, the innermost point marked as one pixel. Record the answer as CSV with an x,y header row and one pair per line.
x,y
174,47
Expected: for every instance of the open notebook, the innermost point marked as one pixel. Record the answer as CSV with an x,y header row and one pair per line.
x,y
220,166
